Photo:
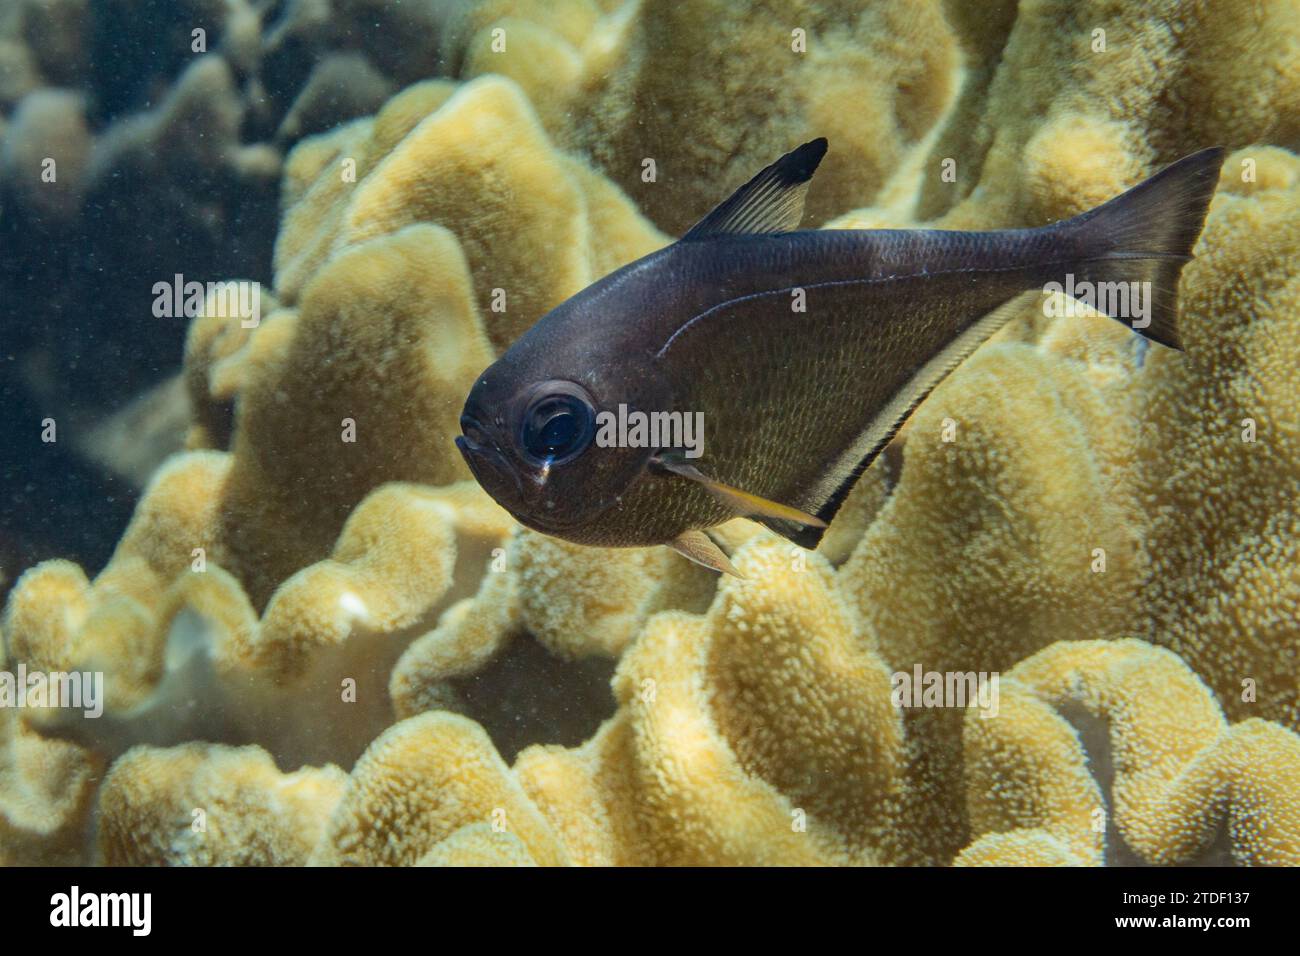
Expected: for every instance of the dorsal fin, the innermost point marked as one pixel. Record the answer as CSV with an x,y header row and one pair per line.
x,y
770,202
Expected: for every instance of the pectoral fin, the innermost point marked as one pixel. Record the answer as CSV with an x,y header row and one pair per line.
x,y
742,503
699,547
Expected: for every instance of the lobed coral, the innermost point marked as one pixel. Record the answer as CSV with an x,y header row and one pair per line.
x,y
141,141
1180,779
278,603
208,805
761,732
421,783
628,86
1111,529
1224,534
46,790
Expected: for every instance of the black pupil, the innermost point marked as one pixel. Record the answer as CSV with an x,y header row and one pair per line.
x,y
559,431
556,427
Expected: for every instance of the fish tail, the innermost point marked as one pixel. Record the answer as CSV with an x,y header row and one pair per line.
x,y
1145,236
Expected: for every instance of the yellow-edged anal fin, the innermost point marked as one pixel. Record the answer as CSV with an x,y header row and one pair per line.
x,y
741,502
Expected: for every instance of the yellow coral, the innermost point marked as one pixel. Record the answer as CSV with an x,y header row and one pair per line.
x,y
1218,463
1179,770
324,646
1000,563
419,783
311,592
478,844
874,80
579,601
385,335
1004,501
1064,102
468,636
1019,848
208,805
1008,530
760,733
548,613
531,223
395,559
47,789
57,620
590,796
213,348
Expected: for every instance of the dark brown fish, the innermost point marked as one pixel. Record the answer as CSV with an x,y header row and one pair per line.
x,y
800,352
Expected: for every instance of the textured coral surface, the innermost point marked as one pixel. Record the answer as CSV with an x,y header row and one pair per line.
x,y
323,643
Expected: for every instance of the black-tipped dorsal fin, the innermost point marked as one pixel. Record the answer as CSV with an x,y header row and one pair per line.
x,y
770,202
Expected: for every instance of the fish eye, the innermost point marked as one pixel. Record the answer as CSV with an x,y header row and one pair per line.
x,y
558,425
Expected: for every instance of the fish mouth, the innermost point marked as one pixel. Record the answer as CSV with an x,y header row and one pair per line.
x,y
489,466
493,470
486,462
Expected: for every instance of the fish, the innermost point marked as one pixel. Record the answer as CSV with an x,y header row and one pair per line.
x,y
801,353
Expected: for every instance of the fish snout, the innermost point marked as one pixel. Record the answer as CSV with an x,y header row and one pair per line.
x,y
488,463
471,433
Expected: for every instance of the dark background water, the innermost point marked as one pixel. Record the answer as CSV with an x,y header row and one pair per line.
x,y
162,190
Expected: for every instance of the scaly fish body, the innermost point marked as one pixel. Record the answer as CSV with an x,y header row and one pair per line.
x,y
803,351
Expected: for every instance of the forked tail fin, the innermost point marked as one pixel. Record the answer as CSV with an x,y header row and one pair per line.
x,y
1146,236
